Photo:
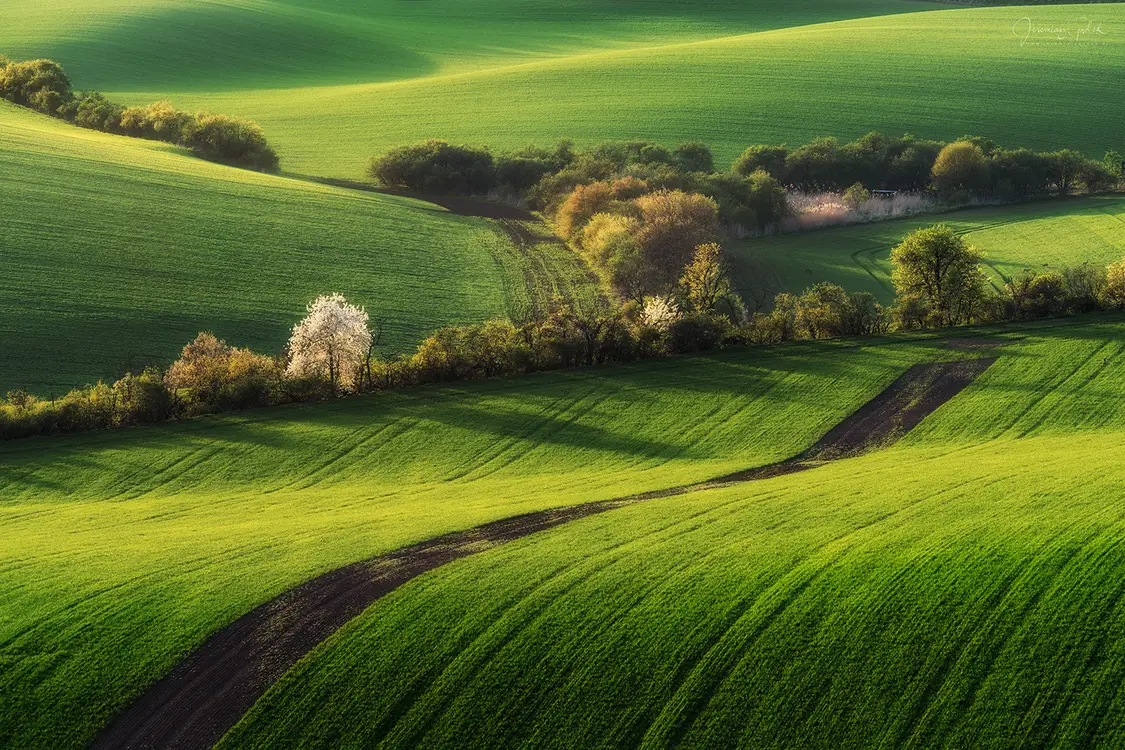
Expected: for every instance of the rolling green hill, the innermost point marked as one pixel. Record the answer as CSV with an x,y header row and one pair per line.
x,y
959,590
336,83
249,44
117,251
1047,234
179,528
934,74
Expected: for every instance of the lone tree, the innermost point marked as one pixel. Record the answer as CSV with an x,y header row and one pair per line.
x,y
332,342
706,280
936,269
961,166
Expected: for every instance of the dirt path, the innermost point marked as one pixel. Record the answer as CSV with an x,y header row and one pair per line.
x,y
210,690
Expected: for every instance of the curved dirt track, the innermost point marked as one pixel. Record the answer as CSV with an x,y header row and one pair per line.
x,y
210,690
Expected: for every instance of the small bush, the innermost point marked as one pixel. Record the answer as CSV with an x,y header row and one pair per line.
x,y
159,121
39,84
435,167
695,332
231,140
210,375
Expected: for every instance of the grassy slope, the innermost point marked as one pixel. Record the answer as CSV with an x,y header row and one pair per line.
x,y
935,74
120,550
960,590
175,45
1031,235
117,251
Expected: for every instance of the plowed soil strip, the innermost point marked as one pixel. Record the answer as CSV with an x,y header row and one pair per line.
x,y
210,690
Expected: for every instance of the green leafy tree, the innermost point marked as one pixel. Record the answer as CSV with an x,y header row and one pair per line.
x,y
770,159
936,269
1066,168
961,166
706,282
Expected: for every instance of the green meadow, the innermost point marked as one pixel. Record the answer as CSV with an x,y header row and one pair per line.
x,y
934,74
117,251
336,83
1035,236
123,549
247,44
961,588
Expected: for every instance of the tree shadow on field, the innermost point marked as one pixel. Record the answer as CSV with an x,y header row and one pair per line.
x,y
568,430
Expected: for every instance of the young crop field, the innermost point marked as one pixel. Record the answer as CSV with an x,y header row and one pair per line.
x,y
117,251
918,598
178,529
783,86
334,85
642,516
1035,236
124,549
249,44
933,595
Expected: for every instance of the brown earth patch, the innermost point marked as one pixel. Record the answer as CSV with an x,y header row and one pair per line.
x,y
212,688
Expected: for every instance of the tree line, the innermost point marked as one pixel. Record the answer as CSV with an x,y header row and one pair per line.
x,y
635,211
971,166
333,351
43,86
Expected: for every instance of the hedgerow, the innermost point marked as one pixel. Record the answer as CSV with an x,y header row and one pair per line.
x,y
700,312
43,86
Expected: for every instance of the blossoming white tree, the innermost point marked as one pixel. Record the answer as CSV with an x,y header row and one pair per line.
x,y
660,312
331,342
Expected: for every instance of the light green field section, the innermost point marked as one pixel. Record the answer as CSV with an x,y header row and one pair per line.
x,y
1036,236
938,74
208,45
960,590
121,550
115,252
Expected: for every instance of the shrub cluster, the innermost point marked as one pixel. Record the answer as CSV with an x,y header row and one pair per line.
x,y
545,177
43,86
937,282
969,166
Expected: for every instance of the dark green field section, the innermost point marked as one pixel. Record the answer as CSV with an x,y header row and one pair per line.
x,y
117,251
124,550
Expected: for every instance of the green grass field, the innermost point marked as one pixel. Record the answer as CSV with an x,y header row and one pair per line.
x,y
935,74
1048,234
247,44
117,251
959,590
123,549
336,83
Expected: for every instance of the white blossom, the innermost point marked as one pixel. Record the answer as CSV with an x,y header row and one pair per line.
x,y
661,312
332,342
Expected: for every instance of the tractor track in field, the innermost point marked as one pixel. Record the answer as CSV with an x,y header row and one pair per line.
x,y
210,690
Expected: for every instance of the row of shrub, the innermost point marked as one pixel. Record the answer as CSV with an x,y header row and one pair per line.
x,y
973,164
544,176
937,281
43,86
